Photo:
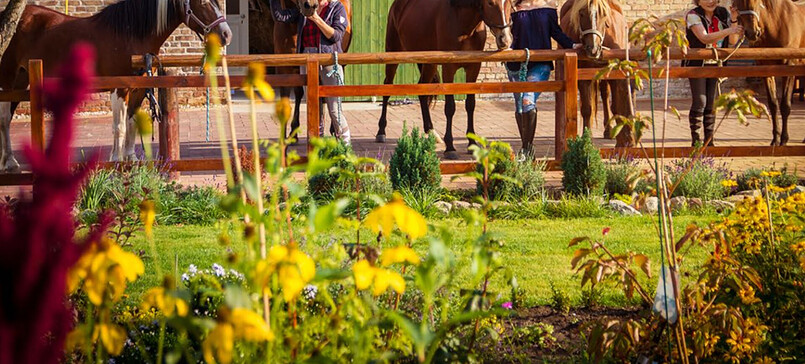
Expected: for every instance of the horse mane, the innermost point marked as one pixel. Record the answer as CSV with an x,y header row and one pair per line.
x,y
465,3
605,8
138,18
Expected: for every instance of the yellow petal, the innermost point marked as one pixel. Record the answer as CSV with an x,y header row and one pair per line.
x,y
283,108
250,326
113,337
278,253
265,90
291,282
144,123
386,278
307,267
364,274
219,344
147,216
407,220
212,51
181,307
381,219
400,254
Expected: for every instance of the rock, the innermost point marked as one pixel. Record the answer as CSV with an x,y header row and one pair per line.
x,y
720,205
443,207
651,205
695,203
678,203
737,199
750,193
461,205
476,206
622,208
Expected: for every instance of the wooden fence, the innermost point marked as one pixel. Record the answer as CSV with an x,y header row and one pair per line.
x,y
565,86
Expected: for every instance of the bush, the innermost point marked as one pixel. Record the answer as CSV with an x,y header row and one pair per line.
x,y
703,179
414,164
528,172
746,180
207,287
624,177
584,172
325,186
574,207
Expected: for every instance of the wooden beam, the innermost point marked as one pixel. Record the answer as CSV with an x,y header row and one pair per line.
x,y
169,144
743,53
560,119
719,152
313,102
440,89
106,83
36,80
707,72
16,179
571,96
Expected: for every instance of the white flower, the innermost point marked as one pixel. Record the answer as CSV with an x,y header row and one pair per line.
x,y
218,270
185,277
310,291
192,269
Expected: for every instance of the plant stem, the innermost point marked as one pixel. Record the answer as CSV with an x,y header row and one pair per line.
x,y
232,131
161,345
258,177
222,139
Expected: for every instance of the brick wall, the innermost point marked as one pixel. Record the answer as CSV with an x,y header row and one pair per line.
x,y
182,41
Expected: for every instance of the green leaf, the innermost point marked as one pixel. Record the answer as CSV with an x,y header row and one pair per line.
x,y
326,216
237,297
616,129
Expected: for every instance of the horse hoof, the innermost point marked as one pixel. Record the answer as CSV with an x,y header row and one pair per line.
x,y
774,143
451,155
784,141
380,138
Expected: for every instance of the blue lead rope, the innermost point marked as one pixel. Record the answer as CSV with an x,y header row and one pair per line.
x,y
340,82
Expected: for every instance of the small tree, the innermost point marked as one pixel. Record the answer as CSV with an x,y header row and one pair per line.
x,y
584,171
414,164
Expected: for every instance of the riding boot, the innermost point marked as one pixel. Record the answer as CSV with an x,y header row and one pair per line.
x,y
530,126
520,128
709,129
695,119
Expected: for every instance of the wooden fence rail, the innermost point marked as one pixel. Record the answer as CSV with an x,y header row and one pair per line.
x,y
565,86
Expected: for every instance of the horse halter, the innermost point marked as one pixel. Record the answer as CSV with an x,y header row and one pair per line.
x,y
593,26
501,27
206,27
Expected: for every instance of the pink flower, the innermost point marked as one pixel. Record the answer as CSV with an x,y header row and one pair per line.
x,y
507,305
605,232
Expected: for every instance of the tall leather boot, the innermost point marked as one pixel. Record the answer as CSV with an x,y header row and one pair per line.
x,y
695,119
709,129
530,122
520,128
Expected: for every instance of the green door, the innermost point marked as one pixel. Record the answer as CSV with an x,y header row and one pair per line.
x,y
369,19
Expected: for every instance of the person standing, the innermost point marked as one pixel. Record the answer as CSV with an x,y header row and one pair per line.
x,y
321,32
708,26
534,23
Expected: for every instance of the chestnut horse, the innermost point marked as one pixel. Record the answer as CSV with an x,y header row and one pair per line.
x,y
599,24
119,31
774,23
444,25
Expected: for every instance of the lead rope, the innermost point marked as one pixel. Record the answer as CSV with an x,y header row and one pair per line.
x,y
523,73
721,62
340,82
203,61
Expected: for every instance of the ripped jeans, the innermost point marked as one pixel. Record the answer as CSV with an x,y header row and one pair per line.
x,y
525,102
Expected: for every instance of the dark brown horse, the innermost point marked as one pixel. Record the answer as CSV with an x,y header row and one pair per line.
x,y
123,29
444,25
774,23
599,24
281,39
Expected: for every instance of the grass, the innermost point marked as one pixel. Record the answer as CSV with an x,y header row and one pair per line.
x,y
535,251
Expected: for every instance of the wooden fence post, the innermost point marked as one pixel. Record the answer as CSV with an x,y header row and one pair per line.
x,y
566,103
169,147
35,74
559,120
312,101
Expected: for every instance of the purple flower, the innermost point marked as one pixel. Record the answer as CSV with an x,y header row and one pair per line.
x,y
507,305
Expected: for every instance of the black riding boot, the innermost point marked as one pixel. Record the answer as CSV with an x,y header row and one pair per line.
x,y
530,126
520,128
709,129
695,119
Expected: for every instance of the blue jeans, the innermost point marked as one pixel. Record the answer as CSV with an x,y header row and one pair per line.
x,y
526,102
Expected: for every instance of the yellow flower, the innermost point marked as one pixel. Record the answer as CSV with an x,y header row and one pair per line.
x,y
383,218
144,123
729,183
212,51
256,80
104,268
112,337
366,275
164,301
293,267
400,254
283,108
147,216
770,174
239,324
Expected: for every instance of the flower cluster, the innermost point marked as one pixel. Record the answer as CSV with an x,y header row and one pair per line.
x,y
228,276
367,275
293,269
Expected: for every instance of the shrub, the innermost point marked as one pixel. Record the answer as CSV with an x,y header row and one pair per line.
x,y
414,164
574,207
423,201
207,287
698,177
624,177
748,179
584,172
324,186
527,171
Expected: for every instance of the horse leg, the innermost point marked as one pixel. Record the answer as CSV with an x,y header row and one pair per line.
x,y
391,71
118,101
771,93
7,161
428,74
587,101
135,100
607,105
471,71
448,73
785,107
621,106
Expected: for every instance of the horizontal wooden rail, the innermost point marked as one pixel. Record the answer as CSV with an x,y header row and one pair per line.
x,y
15,96
441,89
439,57
707,72
724,151
106,83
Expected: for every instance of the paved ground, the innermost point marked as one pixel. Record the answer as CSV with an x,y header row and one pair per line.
x,y
494,120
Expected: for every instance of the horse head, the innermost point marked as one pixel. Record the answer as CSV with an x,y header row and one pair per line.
x,y
749,12
497,14
204,17
307,7
591,19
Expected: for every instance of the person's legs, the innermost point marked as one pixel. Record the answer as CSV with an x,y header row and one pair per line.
x,y
698,94
537,73
336,115
518,107
709,115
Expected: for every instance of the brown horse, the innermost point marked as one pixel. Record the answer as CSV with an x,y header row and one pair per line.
x,y
444,25
282,40
123,29
774,23
599,24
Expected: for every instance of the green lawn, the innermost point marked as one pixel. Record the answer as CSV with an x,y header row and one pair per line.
x,y
535,250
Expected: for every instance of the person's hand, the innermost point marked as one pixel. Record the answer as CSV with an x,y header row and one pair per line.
x,y
577,45
315,16
734,14
737,29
